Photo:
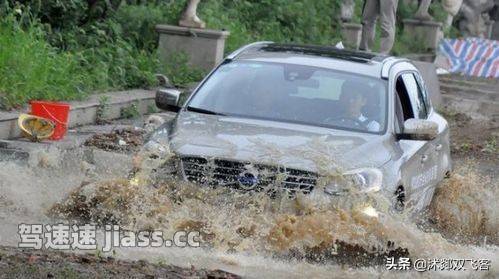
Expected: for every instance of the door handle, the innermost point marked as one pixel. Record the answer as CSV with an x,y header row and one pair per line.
x,y
424,158
438,147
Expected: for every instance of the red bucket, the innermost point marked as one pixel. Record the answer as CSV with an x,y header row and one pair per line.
x,y
57,112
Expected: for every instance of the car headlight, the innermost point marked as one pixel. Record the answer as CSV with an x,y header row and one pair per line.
x,y
365,180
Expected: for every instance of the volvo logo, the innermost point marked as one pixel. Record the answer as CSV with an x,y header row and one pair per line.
x,y
248,179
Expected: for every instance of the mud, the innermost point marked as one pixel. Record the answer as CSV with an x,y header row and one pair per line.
x,y
473,140
233,222
122,140
16,263
255,235
464,207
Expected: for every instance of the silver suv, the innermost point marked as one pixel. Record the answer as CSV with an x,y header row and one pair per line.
x,y
307,119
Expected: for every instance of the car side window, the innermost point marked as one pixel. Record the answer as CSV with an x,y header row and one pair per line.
x,y
424,91
403,107
399,115
415,95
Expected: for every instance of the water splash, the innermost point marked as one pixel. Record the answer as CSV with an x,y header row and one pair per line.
x,y
465,207
241,229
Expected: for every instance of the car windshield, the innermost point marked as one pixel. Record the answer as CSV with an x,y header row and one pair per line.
x,y
294,93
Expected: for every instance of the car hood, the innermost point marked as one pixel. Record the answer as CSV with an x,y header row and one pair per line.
x,y
297,146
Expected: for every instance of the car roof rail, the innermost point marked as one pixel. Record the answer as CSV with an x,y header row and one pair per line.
x,y
242,49
388,64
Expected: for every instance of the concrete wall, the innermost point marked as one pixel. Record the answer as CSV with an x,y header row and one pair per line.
x,y
204,47
85,112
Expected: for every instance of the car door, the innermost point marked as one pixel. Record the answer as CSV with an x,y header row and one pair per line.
x,y
440,145
415,163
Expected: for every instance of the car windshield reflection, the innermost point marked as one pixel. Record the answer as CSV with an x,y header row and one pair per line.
x,y
294,93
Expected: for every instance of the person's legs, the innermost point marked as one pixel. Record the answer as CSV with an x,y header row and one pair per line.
x,y
369,15
422,13
388,13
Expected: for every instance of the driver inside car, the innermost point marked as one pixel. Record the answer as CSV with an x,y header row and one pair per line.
x,y
352,101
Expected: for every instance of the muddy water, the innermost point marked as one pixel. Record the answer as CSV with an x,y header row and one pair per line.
x,y
253,235
29,189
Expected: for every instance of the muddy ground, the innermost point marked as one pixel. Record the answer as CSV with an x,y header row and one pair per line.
x,y
473,142
18,263
120,140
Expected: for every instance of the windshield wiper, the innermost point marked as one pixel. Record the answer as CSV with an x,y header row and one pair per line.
x,y
205,111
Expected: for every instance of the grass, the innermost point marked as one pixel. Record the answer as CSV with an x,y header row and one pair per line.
x,y
179,72
37,63
30,68
130,112
491,145
102,109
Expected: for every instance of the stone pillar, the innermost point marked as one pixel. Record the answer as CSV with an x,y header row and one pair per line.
x,y
427,33
351,34
204,47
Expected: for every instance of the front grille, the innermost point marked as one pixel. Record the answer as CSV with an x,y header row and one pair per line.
x,y
227,173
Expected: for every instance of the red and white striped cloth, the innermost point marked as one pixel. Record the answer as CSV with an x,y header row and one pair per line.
x,y
472,56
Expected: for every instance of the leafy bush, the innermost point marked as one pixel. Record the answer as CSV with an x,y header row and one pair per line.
x,y
138,21
117,65
277,20
131,111
65,49
94,59
64,14
179,72
30,68
248,20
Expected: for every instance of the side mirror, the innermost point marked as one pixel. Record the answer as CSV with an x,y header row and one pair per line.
x,y
419,129
168,99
